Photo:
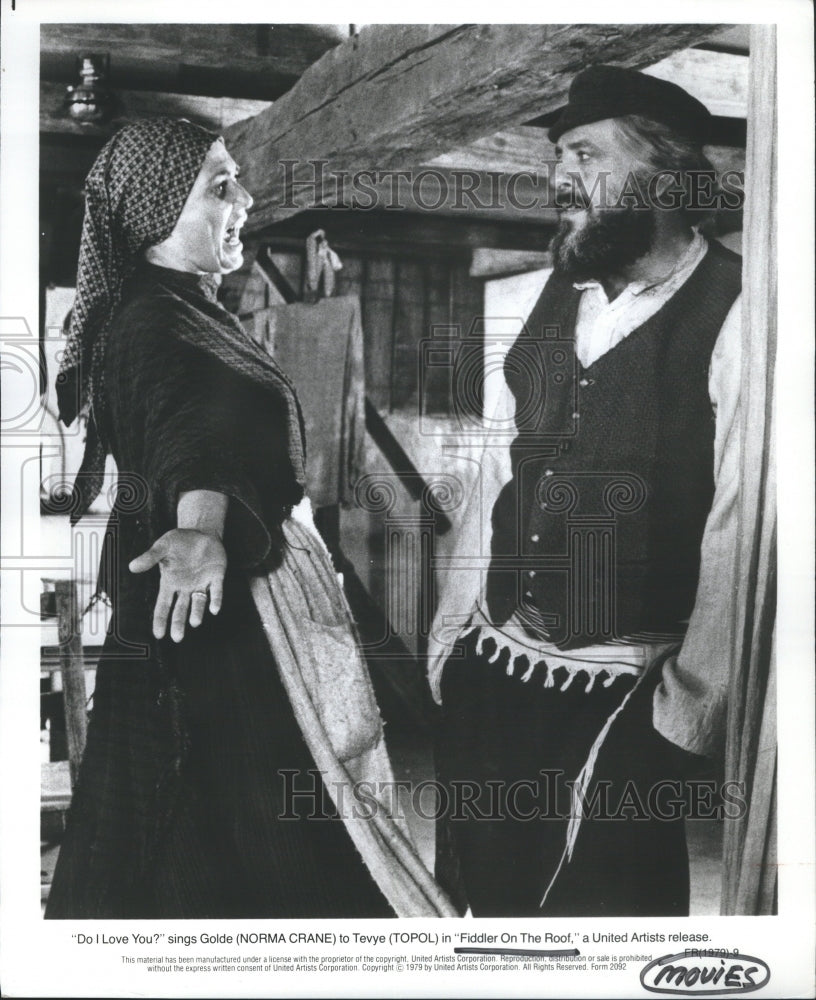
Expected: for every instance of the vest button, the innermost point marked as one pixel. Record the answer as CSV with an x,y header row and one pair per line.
x,y
576,416
584,382
534,538
531,573
548,472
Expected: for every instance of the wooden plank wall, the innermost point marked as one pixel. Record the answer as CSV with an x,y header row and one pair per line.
x,y
403,298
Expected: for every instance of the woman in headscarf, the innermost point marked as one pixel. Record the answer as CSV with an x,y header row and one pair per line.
x,y
200,792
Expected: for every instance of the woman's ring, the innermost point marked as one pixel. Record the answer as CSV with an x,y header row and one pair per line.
x,y
199,593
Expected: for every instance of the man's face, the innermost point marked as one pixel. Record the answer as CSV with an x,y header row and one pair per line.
x,y
600,232
205,239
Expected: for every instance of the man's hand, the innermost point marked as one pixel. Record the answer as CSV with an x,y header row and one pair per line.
x,y
192,565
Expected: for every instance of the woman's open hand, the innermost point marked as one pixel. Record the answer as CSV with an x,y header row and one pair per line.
x,y
192,565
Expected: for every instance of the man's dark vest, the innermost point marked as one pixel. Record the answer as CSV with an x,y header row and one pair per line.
x,y
597,536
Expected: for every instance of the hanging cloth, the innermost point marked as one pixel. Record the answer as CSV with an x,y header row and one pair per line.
x,y
321,264
320,347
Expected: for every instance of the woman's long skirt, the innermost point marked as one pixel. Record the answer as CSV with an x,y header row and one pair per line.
x,y
237,824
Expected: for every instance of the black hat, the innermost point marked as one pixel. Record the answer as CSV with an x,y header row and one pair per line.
x,y
611,92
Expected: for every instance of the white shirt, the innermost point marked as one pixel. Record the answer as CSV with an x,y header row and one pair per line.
x,y
690,702
602,324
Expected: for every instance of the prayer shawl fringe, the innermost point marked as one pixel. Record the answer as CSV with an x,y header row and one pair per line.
x,y
525,654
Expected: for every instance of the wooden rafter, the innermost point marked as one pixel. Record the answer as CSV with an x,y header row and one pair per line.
x,y
402,94
410,233
254,61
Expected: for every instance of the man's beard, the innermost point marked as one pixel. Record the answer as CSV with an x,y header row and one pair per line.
x,y
607,242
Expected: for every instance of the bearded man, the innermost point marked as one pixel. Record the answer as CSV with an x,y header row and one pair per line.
x,y
588,680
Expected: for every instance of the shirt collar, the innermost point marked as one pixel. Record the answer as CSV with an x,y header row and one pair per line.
x,y
686,262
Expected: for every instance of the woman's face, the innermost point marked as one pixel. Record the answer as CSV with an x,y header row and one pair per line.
x,y
205,239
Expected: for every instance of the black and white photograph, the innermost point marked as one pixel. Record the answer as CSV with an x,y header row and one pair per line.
x,y
407,503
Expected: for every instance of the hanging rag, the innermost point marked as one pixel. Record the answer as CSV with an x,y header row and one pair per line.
x,y
320,347
321,264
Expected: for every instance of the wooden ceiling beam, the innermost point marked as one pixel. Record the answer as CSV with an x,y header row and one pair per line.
x,y
512,150
407,233
400,95
254,61
437,190
735,39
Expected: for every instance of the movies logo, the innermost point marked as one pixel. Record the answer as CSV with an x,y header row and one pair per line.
x,y
705,973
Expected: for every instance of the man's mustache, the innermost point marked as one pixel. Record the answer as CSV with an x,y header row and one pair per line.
x,y
567,199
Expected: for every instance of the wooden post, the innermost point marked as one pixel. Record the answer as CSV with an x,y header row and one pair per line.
x,y
749,850
72,666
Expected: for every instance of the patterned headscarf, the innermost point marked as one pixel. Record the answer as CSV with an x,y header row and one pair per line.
x,y
134,195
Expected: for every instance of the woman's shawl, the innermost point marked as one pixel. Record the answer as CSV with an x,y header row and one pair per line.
x,y
206,325
194,318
